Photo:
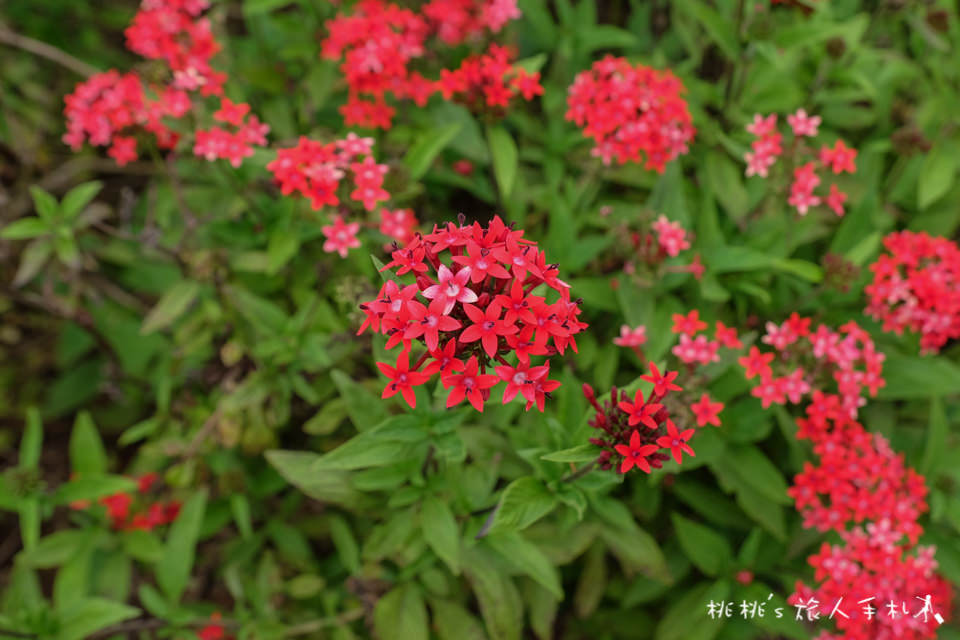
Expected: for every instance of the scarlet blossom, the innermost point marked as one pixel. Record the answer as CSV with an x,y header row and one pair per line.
x,y
341,236
840,158
689,324
469,384
473,293
706,411
214,630
402,379
640,411
662,383
916,286
671,236
635,454
399,225
676,441
633,113
727,336
756,363
489,81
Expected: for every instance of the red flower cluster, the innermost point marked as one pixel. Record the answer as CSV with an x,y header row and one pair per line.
x,y
314,170
378,41
885,590
631,112
109,109
663,239
639,432
767,147
173,31
400,225
917,286
859,480
811,360
858,476
489,80
126,513
236,145
477,309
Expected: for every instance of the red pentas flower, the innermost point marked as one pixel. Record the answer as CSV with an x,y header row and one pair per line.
x,y
109,109
378,41
883,588
639,431
916,286
234,142
315,170
767,146
129,512
175,32
489,81
633,113
473,290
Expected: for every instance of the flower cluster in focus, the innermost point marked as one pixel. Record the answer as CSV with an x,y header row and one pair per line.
x,y
472,305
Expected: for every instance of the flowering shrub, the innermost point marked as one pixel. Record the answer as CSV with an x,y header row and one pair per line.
x,y
256,384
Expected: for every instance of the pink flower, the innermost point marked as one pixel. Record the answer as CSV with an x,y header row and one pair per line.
x,y
451,288
802,124
631,337
341,237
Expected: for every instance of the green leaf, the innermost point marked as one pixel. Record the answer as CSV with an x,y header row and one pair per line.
x,y
78,198
25,228
865,249
523,502
29,512
441,532
364,408
297,468
401,615
503,152
32,260
936,437
709,551
754,468
345,543
686,617
87,454
728,259
806,270
718,26
762,509
725,180
526,557
55,549
636,549
92,614
31,442
453,622
46,205
92,486
911,377
173,571
427,147
499,599
389,442
936,175
170,306
581,453
604,36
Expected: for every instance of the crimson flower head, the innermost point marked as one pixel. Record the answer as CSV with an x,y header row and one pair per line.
x,y
472,291
661,383
633,113
676,441
706,411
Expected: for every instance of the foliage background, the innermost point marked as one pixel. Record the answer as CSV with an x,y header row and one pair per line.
x,y
211,352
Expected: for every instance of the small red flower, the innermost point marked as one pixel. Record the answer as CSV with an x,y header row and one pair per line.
x,y
469,384
676,441
756,363
640,411
689,324
706,411
635,454
487,327
403,380
661,383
